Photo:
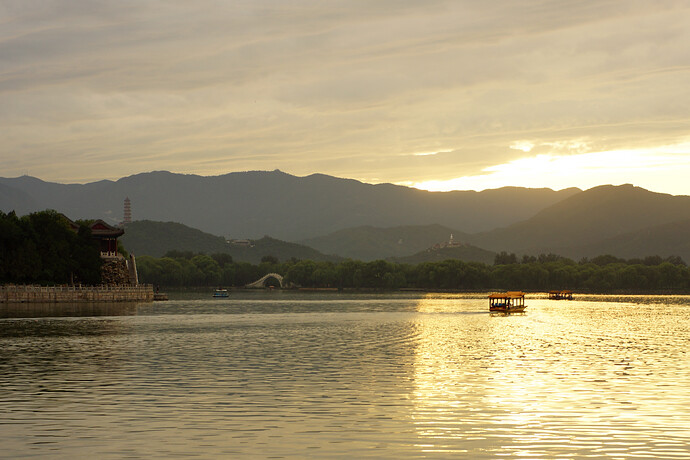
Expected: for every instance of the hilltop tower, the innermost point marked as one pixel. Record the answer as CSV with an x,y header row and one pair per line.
x,y
128,212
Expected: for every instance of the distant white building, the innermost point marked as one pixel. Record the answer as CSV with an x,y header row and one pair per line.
x,y
452,243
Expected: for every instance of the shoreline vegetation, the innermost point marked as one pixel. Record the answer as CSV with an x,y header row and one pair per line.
x,y
600,275
41,248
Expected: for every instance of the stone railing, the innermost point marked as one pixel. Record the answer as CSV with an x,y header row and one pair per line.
x,y
31,293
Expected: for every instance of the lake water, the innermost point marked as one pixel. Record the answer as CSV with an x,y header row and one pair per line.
x,y
289,375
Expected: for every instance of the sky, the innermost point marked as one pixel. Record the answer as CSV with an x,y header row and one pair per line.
x,y
439,95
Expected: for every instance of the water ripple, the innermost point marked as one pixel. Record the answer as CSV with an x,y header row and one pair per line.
x,y
351,376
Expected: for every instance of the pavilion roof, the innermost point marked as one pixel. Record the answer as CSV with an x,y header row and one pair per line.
x,y
508,295
100,229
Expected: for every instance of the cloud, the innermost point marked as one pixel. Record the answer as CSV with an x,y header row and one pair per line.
x,y
344,88
525,146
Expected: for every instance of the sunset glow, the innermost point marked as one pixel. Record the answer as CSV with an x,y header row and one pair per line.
x,y
661,169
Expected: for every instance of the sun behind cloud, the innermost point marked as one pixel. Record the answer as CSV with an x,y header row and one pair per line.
x,y
660,169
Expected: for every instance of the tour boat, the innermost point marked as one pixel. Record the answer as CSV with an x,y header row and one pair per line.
x,y
508,302
561,295
221,293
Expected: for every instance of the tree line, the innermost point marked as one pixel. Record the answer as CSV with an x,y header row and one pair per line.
x,y
42,248
544,272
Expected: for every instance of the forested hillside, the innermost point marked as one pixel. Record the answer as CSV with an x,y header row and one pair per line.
x,y
599,221
158,238
465,253
371,243
42,248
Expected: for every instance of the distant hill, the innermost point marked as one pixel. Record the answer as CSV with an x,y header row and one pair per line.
x,y
371,243
600,219
282,250
466,253
145,237
255,203
157,238
661,240
13,199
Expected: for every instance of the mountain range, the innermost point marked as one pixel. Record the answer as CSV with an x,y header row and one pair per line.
x,y
347,218
624,220
256,203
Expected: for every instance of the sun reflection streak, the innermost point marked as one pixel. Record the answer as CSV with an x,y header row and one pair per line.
x,y
537,384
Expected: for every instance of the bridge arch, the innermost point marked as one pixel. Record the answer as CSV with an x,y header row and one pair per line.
x,y
261,282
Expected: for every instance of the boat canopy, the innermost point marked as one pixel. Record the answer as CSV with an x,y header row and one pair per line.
x,y
508,295
511,301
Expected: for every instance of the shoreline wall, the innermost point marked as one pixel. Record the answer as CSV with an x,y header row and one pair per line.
x,y
54,294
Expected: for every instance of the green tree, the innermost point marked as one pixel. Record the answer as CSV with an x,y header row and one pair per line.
x,y
301,273
222,259
86,261
42,247
272,260
504,258
209,268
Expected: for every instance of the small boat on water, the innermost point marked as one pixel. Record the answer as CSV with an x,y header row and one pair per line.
x,y
561,295
221,293
158,295
507,302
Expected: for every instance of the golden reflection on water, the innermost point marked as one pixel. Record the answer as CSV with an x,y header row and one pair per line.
x,y
551,382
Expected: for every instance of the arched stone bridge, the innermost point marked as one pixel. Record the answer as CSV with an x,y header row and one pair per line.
x,y
261,282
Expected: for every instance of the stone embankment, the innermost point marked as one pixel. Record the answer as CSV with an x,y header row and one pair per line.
x,y
120,271
47,294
